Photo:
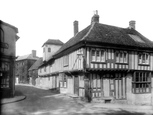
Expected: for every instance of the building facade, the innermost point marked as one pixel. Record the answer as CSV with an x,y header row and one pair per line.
x,y
103,62
22,65
50,47
33,71
8,37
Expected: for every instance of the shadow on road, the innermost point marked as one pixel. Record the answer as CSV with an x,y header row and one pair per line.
x,y
122,112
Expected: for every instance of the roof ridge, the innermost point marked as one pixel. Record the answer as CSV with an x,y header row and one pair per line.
x,y
93,24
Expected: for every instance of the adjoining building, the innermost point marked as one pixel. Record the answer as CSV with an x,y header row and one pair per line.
x,y
50,47
33,72
8,38
22,65
103,62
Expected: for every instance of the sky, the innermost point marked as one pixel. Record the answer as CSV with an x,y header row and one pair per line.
x,y
40,20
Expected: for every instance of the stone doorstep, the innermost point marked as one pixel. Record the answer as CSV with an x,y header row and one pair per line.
x,y
103,100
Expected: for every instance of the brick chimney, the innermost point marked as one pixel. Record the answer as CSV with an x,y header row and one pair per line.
x,y
95,17
34,53
75,25
132,24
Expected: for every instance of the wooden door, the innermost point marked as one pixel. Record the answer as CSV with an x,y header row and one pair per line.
x,y
106,87
120,88
76,85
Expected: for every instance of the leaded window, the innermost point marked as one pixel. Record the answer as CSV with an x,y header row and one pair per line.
x,y
141,82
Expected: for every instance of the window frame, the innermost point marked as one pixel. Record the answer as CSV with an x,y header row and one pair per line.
x,y
63,81
121,58
49,49
100,58
141,82
143,59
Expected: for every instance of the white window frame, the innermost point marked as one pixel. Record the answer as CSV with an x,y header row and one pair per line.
x,y
143,58
98,58
121,57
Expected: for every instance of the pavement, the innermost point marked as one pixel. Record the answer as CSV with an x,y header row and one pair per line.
x,y
115,106
13,99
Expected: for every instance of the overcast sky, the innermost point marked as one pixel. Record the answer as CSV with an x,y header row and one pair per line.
x,y
40,20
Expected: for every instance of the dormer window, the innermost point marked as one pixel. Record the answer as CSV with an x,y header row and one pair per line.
x,y
143,58
49,49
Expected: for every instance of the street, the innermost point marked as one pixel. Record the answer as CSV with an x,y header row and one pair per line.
x,y
47,102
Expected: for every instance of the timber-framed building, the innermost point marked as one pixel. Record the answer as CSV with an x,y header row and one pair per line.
x,y
103,62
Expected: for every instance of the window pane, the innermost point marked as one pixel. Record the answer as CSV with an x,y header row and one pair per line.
x,y
93,55
98,55
140,58
103,56
49,49
147,59
121,57
137,77
117,57
125,57
143,58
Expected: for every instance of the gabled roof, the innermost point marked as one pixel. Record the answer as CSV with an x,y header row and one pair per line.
x,y
111,35
53,41
36,64
11,26
29,56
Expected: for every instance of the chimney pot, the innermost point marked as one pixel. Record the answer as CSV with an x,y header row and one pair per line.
x,y
95,17
75,25
132,24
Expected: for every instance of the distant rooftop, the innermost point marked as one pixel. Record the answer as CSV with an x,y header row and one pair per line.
x,y
36,64
29,56
53,41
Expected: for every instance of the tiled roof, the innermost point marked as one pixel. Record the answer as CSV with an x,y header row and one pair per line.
x,y
36,64
53,41
29,56
115,35
13,27
107,34
74,40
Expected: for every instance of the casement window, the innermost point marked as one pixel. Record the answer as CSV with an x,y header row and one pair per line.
x,y
143,58
63,82
98,55
121,57
141,82
49,49
66,60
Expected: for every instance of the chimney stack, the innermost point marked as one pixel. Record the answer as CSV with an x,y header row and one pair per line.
x,y
34,53
132,24
75,25
95,17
